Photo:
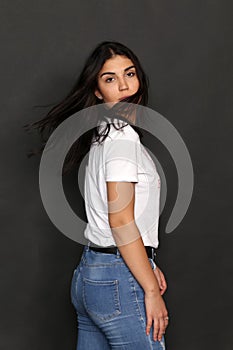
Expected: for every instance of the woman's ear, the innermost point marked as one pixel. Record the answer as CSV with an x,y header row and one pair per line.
x,y
98,94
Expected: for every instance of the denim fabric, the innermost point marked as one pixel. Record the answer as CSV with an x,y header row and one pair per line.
x,y
110,305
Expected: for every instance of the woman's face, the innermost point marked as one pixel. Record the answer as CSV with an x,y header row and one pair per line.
x,y
117,79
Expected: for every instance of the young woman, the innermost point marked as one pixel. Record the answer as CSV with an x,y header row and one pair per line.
x,y
116,288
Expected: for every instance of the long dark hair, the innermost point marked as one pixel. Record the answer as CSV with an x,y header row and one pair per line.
x,y
82,96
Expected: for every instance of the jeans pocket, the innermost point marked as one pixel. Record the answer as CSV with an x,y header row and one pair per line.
x,y
101,298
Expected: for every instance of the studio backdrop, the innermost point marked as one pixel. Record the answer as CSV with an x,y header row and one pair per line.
x,y
186,51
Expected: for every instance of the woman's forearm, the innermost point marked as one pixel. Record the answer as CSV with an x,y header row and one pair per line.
x,y
131,247
121,203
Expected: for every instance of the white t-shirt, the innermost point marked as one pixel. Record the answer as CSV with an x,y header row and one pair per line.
x,y
121,157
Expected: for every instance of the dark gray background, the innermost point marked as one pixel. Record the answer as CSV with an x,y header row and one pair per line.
x,y
185,48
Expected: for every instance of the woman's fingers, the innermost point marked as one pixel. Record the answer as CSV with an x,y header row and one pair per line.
x,y
161,280
157,315
157,275
156,329
166,321
159,329
162,329
148,325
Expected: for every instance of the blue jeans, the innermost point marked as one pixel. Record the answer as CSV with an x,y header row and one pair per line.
x,y
110,305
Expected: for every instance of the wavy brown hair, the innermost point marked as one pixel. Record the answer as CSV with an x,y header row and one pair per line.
x,y
82,96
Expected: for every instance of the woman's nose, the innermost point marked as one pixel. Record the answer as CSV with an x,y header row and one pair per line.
x,y
123,84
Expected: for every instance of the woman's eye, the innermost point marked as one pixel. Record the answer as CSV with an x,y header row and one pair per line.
x,y
131,74
109,80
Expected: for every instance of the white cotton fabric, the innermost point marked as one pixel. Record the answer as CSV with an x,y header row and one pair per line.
x,y
121,157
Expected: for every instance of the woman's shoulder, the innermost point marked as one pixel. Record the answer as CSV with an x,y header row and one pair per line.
x,y
123,130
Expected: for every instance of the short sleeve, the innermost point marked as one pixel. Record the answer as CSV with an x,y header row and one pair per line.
x,y
122,155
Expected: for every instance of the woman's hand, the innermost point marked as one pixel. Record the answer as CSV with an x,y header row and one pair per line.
x,y
156,309
156,312
161,280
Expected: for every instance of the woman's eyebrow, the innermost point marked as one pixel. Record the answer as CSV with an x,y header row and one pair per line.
x,y
112,73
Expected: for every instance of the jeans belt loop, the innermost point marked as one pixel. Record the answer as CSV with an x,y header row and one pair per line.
x,y
152,250
153,253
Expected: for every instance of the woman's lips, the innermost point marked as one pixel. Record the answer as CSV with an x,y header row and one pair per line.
x,y
122,98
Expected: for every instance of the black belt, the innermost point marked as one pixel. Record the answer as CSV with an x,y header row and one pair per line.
x,y
113,250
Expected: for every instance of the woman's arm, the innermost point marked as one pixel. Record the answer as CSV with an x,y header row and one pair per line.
x,y
121,199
